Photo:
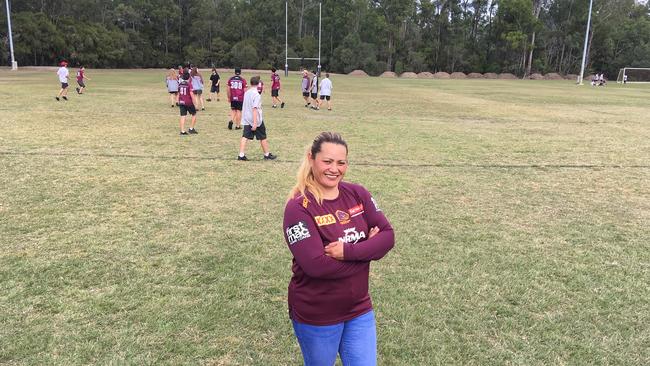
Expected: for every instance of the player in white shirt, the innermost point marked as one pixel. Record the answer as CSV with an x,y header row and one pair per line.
x,y
63,73
325,92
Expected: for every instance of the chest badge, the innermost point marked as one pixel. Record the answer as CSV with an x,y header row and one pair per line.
x,y
343,217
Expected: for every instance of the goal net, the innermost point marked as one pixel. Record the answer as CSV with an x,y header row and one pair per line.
x,y
633,75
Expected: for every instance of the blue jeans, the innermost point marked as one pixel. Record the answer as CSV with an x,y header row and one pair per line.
x,y
355,340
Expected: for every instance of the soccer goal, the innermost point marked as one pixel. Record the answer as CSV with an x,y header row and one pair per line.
x,y
633,75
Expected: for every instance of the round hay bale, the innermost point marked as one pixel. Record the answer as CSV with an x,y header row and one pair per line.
x,y
425,75
358,73
475,75
553,76
388,74
507,76
536,76
490,75
441,75
458,75
409,75
571,77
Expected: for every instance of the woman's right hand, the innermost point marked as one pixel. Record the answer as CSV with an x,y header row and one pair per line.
x,y
374,231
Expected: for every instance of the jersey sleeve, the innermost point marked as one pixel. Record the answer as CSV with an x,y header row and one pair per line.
x,y
307,247
379,245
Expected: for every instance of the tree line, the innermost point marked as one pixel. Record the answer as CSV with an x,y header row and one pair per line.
x,y
516,36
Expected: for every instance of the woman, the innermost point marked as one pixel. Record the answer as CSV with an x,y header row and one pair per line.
x,y
172,86
197,87
216,82
333,229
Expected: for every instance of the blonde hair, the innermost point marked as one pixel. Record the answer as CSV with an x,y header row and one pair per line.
x,y
305,180
172,74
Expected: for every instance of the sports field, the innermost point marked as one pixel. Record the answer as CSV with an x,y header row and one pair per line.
x,y
521,211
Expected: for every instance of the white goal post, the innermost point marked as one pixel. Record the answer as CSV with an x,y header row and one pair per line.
x,y
633,75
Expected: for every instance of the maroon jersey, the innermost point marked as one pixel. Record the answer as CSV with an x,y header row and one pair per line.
x,y
323,290
260,87
275,78
80,75
185,94
237,86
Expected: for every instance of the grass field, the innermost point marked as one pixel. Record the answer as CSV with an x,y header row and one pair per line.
x,y
521,211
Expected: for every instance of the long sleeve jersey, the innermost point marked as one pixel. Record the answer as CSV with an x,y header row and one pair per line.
x,y
323,290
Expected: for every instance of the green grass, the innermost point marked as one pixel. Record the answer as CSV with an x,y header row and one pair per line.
x,y
521,211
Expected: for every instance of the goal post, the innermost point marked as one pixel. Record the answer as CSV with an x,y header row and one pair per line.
x,y
633,75
286,39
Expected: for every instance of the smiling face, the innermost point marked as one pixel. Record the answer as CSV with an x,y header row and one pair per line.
x,y
329,166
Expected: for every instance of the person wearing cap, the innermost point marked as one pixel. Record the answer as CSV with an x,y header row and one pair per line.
x,y
235,90
63,74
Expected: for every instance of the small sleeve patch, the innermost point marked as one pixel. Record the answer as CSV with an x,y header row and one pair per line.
x,y
297,232
375,203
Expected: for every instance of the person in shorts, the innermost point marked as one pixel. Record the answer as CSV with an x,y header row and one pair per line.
x,y
216,82
313,88
172,87
63,73
275,89
81,76
253,121
236,89
306,84
186,104
325,92
197,87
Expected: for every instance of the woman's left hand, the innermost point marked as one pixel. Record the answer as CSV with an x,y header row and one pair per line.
x,y
335,250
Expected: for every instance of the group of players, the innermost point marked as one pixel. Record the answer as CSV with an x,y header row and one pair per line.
x,y
63,74
185,88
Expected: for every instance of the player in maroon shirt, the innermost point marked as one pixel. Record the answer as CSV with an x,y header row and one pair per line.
x,y
81,75
236,88
333,230
186,104
275,89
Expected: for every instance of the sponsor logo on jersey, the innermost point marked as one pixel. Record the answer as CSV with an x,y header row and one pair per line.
x,y
343,217
325,220
305,202
297,232
356,210
352,236
375,203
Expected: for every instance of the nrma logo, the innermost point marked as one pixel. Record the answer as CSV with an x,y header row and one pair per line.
x,y
351,236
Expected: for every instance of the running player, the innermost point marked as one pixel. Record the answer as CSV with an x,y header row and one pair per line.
x,y
185,104
236,89
63,73
275,89
80,79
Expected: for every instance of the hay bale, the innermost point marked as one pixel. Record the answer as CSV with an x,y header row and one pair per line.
x,y
571,77
388,74
358,73
409,75
490,75
536,76
458,75
553,76
425,75
475,75
507,76
441,75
